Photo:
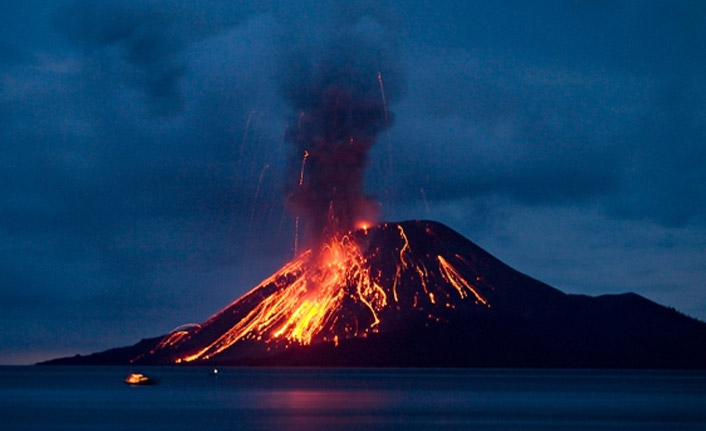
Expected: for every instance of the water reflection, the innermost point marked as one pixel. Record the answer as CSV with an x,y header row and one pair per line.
x,y
33,398
325,400
320,409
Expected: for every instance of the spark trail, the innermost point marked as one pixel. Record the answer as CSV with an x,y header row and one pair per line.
x,y
387,137
257,193
296,219
245,137
424,197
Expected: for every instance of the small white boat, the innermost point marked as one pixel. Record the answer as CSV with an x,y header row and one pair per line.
x,y
139,379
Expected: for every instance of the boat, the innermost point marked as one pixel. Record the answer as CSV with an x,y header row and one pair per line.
x,y
139,379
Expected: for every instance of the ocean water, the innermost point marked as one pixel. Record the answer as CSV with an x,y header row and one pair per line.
x,y
95,398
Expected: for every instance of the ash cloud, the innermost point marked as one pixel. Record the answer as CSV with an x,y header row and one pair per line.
x,y
338,114
133,44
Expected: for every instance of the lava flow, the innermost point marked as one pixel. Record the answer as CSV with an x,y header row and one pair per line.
x,y
355,285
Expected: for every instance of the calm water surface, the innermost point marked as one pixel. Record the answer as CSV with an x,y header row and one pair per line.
x,y
95,398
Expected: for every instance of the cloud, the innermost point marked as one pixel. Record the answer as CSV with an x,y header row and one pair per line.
x,y
9,54
134,45
612,119
667,170
136,135
538,135
111,202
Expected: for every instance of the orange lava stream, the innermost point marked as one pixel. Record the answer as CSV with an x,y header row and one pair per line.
x,y
309,304
451,275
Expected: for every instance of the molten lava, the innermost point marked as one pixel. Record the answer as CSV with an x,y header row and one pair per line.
x,y
350,287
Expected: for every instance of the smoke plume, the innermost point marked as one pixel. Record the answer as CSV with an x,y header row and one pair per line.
x,y
339,112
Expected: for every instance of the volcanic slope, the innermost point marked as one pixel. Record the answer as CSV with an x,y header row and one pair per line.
x,y
417,293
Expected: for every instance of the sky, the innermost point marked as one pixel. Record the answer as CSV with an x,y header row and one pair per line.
x,y
144,163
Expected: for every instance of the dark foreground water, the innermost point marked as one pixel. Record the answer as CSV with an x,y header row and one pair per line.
x,y
95,398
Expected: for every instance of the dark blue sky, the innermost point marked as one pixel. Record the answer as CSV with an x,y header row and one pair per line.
x,y
143,163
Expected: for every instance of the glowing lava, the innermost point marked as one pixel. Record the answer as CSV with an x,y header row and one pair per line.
x,y
350,287
307,308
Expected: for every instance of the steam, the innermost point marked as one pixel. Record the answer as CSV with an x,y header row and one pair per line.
x,y
339,112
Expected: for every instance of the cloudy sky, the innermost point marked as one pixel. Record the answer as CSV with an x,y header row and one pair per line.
x,y
143,162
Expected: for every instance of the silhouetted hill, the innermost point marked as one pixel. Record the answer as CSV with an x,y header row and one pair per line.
x,y
116,356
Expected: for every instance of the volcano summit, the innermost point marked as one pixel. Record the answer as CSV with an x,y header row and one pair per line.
x,y
417,293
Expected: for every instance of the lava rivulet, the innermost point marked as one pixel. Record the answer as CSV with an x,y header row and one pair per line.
x,y
350,287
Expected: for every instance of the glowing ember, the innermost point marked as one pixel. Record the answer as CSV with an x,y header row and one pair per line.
x,y
364,226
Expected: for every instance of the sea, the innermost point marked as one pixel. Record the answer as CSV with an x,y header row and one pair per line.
x,y
224,398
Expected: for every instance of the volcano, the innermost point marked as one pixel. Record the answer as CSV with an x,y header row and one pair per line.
x,y
417,293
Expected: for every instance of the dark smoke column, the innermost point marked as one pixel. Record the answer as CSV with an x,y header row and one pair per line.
x,y
338,115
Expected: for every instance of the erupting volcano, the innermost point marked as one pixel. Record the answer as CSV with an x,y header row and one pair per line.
x,y
419,294
414,293
358,284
